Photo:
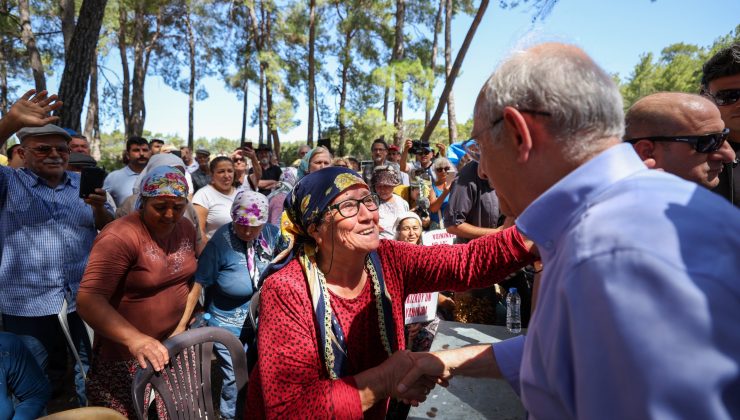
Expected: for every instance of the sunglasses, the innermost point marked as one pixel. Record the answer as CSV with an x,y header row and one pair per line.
x,y
705,143
45,150
725,97
239,160
445,169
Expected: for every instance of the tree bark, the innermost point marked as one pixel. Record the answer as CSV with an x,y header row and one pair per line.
x,y
261,106
125,73
311,69
342,117
142,57
433,61
67,16
398,55
451,118
73,87
318,113
29,40
450,81
191,87
92,122
244,114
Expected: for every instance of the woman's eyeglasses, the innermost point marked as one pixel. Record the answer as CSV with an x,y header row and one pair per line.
x,y
445,169
239,160
704,143
350,207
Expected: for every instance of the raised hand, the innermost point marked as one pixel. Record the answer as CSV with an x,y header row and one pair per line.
x,y
33,110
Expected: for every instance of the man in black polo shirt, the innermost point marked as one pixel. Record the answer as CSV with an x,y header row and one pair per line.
x,y
270,173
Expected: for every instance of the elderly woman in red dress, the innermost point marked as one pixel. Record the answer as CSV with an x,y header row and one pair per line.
x,y
330,337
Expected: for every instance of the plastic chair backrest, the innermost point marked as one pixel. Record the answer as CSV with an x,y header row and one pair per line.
x,y
185,383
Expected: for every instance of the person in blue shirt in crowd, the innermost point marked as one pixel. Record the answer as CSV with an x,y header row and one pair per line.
x,y
24,390
46,233
229,270
636,316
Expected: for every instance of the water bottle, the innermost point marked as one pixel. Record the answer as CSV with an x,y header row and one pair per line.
x,y
513,312
201,320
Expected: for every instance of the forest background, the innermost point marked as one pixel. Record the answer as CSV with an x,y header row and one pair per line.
x,y
290,72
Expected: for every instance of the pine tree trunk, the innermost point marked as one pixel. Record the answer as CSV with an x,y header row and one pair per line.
x,y
433,61
67,16
125,73
261,107
244,114
450,81
92,122
342,117
29,40
398,55
73,87
318,113
191,87
451,119
311,69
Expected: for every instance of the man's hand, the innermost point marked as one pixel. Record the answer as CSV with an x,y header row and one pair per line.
x,y
33,110
398,367
97,200
428,370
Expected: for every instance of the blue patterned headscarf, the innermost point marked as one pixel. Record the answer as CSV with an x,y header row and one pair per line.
x,y
304,206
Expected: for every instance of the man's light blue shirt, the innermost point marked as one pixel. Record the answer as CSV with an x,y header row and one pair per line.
x,y
638,308
45,238
120,184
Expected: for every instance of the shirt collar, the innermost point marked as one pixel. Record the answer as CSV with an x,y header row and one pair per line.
x,y
66,178
574,192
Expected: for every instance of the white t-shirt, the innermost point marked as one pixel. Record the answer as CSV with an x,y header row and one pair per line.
x,y
218,206
389,212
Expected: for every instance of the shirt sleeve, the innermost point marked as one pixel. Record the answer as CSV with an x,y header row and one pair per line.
x,y
110,259
647,339
294,384
5,173
479,263
201,198
508,355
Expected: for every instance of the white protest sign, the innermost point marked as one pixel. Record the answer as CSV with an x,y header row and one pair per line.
x,y
420,307
437,237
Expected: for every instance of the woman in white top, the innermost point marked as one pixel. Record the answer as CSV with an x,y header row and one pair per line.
x,y
213,202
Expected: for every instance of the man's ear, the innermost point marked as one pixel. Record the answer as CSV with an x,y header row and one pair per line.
x,y
522,137
645,149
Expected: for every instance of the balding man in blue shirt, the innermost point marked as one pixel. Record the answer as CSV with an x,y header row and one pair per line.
x,y
636,315
46,233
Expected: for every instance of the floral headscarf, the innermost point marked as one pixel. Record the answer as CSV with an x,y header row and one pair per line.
x,y
249,208
304,206
160,159
163,181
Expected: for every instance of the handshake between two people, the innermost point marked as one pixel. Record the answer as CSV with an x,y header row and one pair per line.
x,y
410,376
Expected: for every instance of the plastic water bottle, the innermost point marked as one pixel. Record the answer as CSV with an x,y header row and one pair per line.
x,y
513,312
201,320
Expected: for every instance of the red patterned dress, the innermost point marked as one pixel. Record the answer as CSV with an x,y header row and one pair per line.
x,y
290,380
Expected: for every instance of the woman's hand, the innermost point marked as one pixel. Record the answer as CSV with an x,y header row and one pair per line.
x,y
144,348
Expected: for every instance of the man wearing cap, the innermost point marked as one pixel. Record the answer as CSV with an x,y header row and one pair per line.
x,y
46,233
385,178
270,173
682,133
202,176
120,183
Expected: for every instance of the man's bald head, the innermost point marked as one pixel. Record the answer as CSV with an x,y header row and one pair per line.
x,y
670,115
667,114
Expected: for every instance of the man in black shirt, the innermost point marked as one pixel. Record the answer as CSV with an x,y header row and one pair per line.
x,y
270,173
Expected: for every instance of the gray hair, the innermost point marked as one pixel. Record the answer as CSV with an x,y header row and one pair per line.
x,y
584,102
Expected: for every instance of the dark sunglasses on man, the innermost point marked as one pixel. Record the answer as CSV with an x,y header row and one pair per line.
x,y
704,143
724,97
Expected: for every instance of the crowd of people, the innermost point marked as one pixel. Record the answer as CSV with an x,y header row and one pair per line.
x,y
629,220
